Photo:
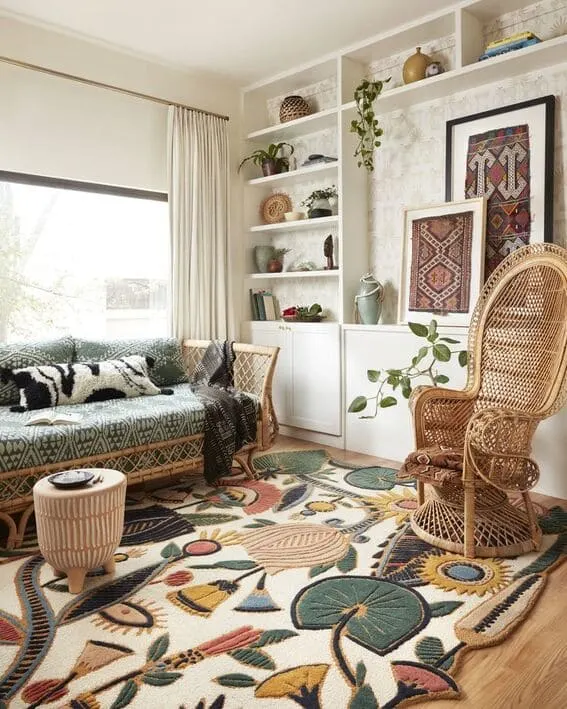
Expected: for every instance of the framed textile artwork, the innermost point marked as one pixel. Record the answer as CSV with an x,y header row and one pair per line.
x,y
442,262
505,155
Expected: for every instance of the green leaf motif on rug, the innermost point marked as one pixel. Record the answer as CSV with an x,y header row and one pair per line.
x,y
202,520
320,569
547,559
360,673
377,614
158,648
295,462
254,658
373,478
236,565
161,679
348,562
236,680
127,693
170,551
554,522
443,608
429,650
364,698
269,637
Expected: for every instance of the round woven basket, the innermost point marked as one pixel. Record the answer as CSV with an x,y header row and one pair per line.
x,y
274,207
294,107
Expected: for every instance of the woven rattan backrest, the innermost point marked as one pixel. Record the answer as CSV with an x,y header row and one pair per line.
x,y
518,334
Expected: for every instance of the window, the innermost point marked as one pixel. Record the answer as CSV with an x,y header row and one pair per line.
x,y
85,260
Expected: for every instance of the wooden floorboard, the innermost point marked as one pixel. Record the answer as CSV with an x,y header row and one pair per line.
x,y
526,671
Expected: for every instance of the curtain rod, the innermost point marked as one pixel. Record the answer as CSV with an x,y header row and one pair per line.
x,y
102,85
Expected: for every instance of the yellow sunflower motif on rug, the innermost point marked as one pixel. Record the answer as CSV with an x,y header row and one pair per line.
x,y
452,572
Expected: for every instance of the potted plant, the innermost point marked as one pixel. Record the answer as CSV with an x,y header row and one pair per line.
x,y
318,202
275,264
366,125
272,161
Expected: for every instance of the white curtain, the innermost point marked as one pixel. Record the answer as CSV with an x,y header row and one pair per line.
x,y
198,211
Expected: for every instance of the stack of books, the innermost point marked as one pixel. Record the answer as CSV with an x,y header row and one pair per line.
x,y
263,305
509,44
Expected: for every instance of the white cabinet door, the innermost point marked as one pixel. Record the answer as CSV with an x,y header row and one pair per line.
x,y
275,334
315,392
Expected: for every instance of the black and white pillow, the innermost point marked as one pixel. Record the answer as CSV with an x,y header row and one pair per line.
x,y
80,382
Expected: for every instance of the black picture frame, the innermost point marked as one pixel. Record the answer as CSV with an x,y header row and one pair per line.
x,y
539,114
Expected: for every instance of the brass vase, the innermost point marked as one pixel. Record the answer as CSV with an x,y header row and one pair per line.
x,y
415,66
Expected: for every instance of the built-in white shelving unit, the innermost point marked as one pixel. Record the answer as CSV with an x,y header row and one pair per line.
x,y
335,273
299,225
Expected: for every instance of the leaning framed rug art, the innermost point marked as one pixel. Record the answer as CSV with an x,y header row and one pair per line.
x,y
442,262
506,155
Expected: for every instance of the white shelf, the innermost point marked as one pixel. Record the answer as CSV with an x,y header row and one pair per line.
x,y
299,224
294,274
292,129
505,66
302,173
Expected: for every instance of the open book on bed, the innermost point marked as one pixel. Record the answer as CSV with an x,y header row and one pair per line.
x,y
52,418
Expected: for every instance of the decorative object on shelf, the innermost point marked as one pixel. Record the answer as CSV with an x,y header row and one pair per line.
x,y
425,364
415,66
303,313
368,300
293,107
275,264
328,253
263,254
442,261
317,159
272,161
509,44
318,202
366,125
274,207
506,154
306,266
294,216
434,69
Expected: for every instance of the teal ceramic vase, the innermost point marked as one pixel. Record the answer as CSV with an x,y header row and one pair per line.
x,y
368,300
263,254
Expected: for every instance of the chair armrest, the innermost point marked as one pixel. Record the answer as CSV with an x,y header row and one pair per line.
x,y
498,447
441,415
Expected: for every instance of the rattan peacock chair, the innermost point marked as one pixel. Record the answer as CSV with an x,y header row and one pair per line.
x,y
473,446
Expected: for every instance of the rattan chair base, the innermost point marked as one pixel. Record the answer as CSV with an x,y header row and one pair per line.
x,y
501,529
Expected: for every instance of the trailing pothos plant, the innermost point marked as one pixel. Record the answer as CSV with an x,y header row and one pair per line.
x,y
366,125
424,364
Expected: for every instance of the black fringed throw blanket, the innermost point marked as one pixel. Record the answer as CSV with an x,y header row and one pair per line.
x,y
230,415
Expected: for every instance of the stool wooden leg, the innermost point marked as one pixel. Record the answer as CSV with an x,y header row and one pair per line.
x,y
76,578
110,566
469,545
420,492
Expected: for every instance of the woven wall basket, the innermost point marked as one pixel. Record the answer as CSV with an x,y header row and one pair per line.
x,y
274,207
294,107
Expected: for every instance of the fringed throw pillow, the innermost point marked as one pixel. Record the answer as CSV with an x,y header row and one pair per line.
x,y
80,382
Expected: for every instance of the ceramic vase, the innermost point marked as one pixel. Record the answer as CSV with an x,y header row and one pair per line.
x,y
320,208
415,66
368,300
263,254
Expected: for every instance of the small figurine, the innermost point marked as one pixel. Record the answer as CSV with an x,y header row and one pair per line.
x,y
328,253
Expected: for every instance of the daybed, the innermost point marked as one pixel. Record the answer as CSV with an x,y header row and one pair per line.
x,y
146,437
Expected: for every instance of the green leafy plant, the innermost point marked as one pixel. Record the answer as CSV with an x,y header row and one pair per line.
x,y
325,193
280,253
274,154
366,125
424,364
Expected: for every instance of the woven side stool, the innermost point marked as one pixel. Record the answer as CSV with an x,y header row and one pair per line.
x,y
79,529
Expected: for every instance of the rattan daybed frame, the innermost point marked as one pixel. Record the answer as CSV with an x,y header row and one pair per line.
x,y
253,373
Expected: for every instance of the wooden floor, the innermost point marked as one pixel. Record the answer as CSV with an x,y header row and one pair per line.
x,y
529,669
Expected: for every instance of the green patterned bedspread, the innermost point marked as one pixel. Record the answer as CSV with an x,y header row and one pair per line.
x,y
106,426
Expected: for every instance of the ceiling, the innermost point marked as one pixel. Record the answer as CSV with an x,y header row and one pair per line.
x,y
244,40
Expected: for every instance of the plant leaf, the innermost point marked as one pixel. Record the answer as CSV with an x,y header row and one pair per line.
x,y
236,680
127,693
441,352
444,608
358,404
432,331
160,679
348,562
254,658
373,375
463,358
450,340
421,354
441,379
388,401
158,648
277,635
418,329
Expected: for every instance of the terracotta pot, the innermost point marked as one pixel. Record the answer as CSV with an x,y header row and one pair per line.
x,y
274,266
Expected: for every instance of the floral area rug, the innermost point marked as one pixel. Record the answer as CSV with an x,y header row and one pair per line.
x,y
305,587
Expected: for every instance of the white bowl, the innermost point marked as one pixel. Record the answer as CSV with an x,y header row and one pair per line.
x,y
294,216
